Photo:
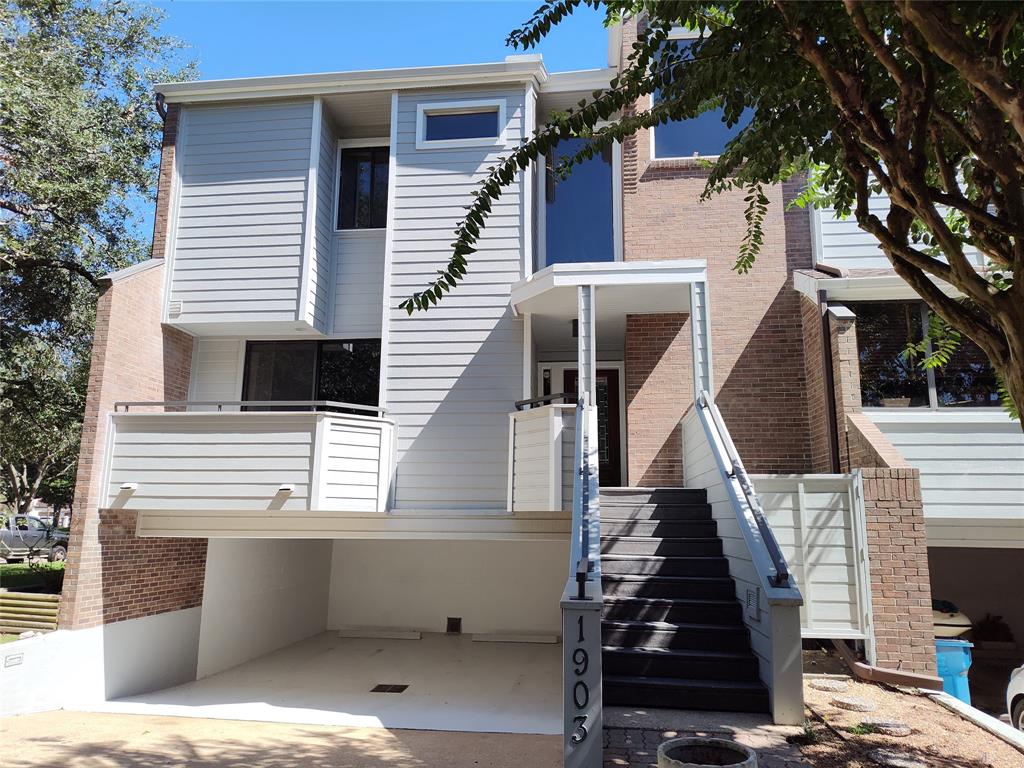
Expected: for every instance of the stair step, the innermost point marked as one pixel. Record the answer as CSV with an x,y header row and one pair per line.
x,y
656,495
718,695
657,634
667,663
672,610
699,529
656,565
682,587
674,512
666,547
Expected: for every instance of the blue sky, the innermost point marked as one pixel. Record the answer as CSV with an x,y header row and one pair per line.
x,y
247,39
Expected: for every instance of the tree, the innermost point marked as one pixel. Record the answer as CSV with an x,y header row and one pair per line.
x,y
921,101
79,137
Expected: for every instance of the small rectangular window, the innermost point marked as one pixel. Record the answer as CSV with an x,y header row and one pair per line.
x,y
454,124
447,126
363,192
889,377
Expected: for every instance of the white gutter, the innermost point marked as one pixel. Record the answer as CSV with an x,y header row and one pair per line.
x,y
865,288
514,69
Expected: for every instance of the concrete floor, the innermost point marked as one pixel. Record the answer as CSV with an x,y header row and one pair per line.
x,y
93,740
454,684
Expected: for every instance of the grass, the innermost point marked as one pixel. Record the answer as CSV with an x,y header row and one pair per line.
x,y
41,577
5,638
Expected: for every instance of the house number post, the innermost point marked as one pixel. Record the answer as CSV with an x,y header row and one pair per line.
x,y
581,677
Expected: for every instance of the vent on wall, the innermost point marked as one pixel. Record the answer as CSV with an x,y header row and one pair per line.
x,y
388,688
174,308
454,626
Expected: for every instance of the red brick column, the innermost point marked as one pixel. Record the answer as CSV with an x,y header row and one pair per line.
x,y
819,413
134,358
165,183
901,594
659,389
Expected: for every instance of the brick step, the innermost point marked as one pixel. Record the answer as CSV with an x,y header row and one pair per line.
x,y
667,663
666,547
655,495
699,529
674,512
716,695
693,637
672,587
672,610
654,565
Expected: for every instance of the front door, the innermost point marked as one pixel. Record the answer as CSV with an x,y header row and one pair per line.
x,y
609,452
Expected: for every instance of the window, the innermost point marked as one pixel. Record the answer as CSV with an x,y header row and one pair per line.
x,y
363,191
889,378
342,371
578,214
460,124
703,136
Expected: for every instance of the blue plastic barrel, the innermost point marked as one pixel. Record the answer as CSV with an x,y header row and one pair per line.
x,y
954,659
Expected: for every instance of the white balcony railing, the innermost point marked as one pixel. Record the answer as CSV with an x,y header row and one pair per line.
x,y
275,463
541,442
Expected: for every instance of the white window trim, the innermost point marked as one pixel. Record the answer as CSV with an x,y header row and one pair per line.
x,y
457,107
676,33
342,145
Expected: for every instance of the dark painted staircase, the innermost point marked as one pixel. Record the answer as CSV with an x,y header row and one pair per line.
x,y
672,633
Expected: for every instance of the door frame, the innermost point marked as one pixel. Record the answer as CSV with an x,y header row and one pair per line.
x,y
557,374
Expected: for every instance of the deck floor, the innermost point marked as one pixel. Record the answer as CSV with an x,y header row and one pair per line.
x,y
453,684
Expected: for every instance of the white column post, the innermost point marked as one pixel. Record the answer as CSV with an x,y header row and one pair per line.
x,y
587,341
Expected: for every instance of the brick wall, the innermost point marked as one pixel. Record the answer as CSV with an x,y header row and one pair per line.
x,y
134,358
901,595
757,341
815,383
165,182
659,385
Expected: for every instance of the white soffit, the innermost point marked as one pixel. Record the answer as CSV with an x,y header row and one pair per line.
x,y
625,286
889,287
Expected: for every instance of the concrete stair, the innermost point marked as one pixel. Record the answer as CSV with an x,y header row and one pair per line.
x,y
672,630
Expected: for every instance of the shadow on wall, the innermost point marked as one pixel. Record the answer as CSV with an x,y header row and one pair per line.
x,y
762,399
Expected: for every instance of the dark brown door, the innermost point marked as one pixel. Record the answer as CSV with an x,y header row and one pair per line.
x,y
609,454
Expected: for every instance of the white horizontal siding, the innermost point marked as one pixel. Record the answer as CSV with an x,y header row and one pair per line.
x,y
814,521
355,464
212,461
972,473
319,295
216,370
845,245
358,283
237,247
463,358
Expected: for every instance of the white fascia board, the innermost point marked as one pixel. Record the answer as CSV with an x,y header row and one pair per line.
x,y
868,288
515,71
614,45
134,269
939,417
583,80
609,273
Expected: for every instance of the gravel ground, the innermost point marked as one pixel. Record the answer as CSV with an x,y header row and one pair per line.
x,y
940,738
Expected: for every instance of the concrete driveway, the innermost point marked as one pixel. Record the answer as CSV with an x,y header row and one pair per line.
x,y
90,740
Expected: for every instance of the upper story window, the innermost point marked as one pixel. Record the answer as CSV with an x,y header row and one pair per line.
x,y
470,123
578,214
890,378
363,190
703,136
342,371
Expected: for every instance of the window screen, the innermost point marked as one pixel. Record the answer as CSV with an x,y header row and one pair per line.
x,y
446,126
363,195
888,377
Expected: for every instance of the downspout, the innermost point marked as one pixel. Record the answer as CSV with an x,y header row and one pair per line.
x,y
161,107
864,671
830,384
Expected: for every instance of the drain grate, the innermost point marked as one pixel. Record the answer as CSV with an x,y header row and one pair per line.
x,y
388,688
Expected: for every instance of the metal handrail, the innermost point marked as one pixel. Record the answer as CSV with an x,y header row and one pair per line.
x,y
583,558
565,396
221,404
781,576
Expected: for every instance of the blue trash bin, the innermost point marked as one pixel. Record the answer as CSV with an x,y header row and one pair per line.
x,y
954,659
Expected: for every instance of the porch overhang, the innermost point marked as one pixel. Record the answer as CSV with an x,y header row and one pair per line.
x,y
626,286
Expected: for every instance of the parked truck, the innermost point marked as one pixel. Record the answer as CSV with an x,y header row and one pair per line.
x,y
24,536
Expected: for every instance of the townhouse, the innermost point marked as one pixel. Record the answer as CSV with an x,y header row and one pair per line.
x,y
606,465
